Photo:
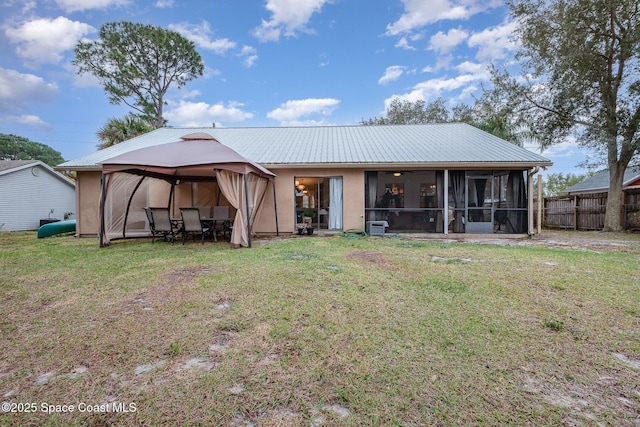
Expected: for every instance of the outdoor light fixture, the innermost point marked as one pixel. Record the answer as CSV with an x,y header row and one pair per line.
x,y
397,173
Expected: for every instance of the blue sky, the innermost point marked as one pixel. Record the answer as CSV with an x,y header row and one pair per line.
x,y
268,62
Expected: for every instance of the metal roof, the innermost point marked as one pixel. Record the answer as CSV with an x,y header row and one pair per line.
x,y
600,182
429,144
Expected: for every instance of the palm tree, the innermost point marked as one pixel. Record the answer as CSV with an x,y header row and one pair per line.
x,y
117,130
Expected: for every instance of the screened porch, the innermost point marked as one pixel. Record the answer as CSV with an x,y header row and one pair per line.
x,y
454,201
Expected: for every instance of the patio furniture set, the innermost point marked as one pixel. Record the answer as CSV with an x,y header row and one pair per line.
x,y
193,221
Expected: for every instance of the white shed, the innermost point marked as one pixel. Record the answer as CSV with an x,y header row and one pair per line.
x,y
31,191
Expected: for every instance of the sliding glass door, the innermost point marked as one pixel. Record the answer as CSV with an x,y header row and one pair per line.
x,y
319,198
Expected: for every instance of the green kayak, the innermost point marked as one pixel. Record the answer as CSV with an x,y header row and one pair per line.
x,y
54,228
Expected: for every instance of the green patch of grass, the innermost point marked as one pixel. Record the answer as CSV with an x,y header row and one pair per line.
x,y
332,329
554,324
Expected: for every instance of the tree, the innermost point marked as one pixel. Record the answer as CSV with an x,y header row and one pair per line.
x,y
137,64
405,112
117,130
13,147
580,76
556,183
483,115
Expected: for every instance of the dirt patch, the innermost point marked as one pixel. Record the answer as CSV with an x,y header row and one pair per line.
x,y
181,276
584,403
581,240
374,258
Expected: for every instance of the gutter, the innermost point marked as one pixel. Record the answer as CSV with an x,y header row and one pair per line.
x,y
403,166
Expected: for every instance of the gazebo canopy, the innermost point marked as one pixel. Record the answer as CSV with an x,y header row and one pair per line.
x,y
196,157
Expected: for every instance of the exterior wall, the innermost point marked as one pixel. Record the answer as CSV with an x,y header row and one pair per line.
x,y
88,204
27,197
352,198
88,200
88,190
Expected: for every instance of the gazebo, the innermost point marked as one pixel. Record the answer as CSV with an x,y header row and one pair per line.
x,y
133,180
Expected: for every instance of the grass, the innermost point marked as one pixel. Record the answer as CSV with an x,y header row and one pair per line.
x,y
320,331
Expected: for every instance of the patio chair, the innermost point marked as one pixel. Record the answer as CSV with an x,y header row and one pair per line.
x,y
147,210
221,221
204,211
191,224
161,224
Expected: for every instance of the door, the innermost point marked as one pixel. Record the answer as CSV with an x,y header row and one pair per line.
x,y
319,200
479,209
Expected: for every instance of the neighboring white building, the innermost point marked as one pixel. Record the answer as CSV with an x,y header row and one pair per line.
x,y
30,191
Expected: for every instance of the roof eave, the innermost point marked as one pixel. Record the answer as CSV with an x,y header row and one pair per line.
x,y
91,168
411,165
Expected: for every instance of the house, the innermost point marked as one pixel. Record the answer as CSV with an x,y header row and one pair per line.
x,y
432,178
599,183
32,191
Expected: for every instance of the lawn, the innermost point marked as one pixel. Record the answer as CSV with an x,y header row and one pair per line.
x,y
321,331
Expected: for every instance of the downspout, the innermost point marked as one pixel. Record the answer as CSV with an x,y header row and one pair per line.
x,y
530,175
540,203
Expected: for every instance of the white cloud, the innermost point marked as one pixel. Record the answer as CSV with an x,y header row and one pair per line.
x,y
45,40
494,43
391,74
193,114
201,36
249,55
287,17
24,119
18,89
78,5
444,43
28,6
419,13
479,70
433,88
403,43
291,112
161,4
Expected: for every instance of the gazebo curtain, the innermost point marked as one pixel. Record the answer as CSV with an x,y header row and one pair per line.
x,y
125,198
335,202
232,185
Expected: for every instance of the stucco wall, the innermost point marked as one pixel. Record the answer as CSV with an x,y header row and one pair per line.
x,y
88,200
352,192
88,204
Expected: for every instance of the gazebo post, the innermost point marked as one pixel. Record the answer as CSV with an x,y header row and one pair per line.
x,y
103,196
126,212
275,205
246,198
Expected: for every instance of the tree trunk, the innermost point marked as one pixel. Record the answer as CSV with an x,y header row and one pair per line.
x,y
613,215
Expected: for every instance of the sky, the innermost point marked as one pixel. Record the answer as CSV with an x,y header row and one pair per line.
x,y
267,63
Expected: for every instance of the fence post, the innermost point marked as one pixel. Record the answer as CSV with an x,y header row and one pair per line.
x,y
575,212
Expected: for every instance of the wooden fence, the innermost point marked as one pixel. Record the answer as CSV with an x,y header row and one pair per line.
x,y
586,211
